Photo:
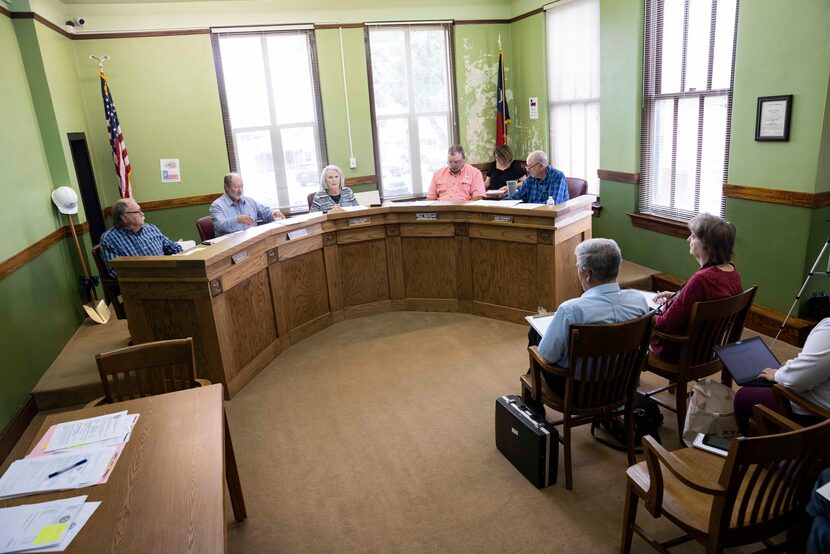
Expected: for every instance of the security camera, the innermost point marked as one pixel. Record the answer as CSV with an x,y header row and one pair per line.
x,y
80,21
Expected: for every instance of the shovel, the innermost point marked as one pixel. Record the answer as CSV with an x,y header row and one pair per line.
x,y
97,310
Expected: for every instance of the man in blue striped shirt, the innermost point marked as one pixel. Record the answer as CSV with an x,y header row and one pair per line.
x,y
233,211
543,181
132,237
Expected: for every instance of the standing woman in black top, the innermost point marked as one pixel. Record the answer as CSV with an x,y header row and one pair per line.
x,y
504,169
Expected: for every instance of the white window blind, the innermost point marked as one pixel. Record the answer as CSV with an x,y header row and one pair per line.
x,y
413,103
573,88
687,106
270,94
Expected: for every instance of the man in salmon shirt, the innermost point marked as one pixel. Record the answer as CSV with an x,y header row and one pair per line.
x,y
458,182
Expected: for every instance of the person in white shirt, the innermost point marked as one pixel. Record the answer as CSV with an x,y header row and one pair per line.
x,y
808,375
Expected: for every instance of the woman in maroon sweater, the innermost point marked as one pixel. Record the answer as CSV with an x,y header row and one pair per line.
x,y
711,243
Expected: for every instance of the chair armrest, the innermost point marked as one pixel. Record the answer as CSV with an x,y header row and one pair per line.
x,y
769,422
784,395
686,474
542,363
203,382
672,338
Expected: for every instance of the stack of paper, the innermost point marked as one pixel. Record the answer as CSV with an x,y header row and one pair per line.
x,y
82,467
540,322
44,527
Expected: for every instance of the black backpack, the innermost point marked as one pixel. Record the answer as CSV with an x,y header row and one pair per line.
x,y
647,421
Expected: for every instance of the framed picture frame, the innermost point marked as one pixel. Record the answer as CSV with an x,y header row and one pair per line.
x,y
772,120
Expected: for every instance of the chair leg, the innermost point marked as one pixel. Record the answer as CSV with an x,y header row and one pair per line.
x,y
629,517
566,439
680,406
232,477
629,432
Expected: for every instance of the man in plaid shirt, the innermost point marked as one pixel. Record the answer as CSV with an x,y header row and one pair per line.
x,y
132,237
542,182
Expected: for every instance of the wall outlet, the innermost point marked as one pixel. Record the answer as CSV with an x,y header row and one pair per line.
x,y
352,163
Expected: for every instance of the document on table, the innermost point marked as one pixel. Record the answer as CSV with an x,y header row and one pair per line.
x,y
501,203
40,527
540,322
411,203
91,430
40,447
72,470
528,206
649,296
74,528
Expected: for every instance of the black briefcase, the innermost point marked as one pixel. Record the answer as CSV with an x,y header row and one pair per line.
x,y
530,445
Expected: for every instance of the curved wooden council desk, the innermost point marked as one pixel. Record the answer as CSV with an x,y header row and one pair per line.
x,y
249,297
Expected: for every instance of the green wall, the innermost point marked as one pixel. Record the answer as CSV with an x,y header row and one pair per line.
x,y
527,39
39,301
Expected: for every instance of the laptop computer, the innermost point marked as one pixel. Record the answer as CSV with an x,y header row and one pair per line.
x,y
745,360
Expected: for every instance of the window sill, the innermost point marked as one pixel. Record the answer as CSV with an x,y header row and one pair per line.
x,y
660,225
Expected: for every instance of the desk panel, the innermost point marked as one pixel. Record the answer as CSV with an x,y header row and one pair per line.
x,y
249,297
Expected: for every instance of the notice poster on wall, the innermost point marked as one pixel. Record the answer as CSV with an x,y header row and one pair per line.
x,y
534,107
170,172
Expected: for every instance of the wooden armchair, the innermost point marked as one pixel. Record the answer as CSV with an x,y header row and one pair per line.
x,y
757,492
609,357
112,291
712,323
204,225
766,422
157,368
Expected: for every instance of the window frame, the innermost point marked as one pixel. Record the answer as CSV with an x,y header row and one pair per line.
x,y
274,128
662,217
412,116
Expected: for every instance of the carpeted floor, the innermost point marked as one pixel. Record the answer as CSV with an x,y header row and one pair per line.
x,y
377,435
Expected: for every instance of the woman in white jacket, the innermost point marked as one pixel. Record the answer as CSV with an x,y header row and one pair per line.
x,y
808,375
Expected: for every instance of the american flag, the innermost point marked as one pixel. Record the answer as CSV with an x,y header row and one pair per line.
x,y
119,148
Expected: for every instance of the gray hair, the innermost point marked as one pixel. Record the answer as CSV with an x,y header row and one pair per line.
x,y
456,149
602,257
339,171
120,207
229,179
537,156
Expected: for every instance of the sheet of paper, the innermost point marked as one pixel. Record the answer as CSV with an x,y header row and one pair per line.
x,y
40,447
89,431
367,198
186,244
42,525
31,475
189,251
75,527
411,203
352,208
649,296
540,323
500,203
528,206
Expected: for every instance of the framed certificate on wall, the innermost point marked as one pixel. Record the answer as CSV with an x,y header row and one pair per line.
x,y
772,121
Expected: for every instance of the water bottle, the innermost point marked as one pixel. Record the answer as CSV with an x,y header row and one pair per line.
x,y
550,201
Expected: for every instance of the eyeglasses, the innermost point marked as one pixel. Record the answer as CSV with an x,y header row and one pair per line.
x,y
533,166
135,212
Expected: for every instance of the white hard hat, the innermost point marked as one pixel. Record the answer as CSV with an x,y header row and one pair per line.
x,y
66,200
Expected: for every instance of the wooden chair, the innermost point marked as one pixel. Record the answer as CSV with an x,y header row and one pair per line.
x,y
112,291
757,492
712,323
157,368
785,398
610,357
205,227
310,199
576,187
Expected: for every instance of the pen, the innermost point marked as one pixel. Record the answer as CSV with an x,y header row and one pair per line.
x,y
76,464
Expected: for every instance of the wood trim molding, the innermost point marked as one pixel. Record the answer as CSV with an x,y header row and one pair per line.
x,y
619,176
526,15
660,224
481,22
10,265
362,180
761,319
43,20
142,34
5,12
776,196
14,429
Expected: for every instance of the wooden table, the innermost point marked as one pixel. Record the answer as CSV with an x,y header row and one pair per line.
x,y
166,493
248,298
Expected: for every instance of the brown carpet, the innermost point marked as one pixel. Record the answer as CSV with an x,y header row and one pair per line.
x,y
377,435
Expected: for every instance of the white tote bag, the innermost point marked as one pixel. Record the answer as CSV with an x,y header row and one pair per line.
x,y
710,411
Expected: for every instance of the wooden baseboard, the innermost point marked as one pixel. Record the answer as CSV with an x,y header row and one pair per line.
x,y
12,432
761,319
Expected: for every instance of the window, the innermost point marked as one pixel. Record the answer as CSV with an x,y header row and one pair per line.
x,y
687,106
573,88
270,94
413,107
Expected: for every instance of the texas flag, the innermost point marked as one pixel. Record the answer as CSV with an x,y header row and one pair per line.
x,y
502,113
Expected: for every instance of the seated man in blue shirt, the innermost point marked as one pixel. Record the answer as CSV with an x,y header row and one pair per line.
x,y
233,212
132,237
597,265
543,181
